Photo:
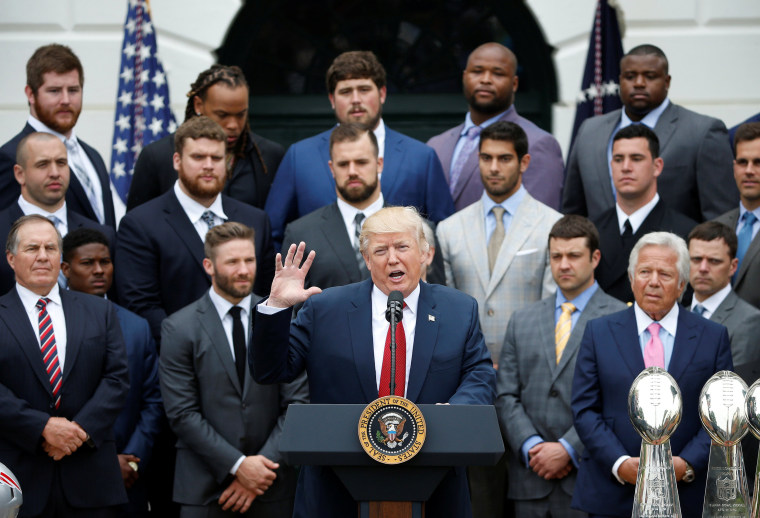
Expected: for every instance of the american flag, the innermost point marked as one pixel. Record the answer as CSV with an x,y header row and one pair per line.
x,y
142,108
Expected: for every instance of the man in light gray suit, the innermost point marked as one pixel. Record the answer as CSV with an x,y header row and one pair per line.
x,y
495,250
228,427
696,178
712,251
536,372
490,82
745,219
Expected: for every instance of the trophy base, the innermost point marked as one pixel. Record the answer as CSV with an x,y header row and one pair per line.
x,y
656,494
726,493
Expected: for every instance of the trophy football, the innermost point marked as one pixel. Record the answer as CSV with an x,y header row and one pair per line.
x,y
753,416
654,406
722,408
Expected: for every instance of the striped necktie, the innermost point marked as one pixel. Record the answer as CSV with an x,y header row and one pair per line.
x,y
562,329
49,350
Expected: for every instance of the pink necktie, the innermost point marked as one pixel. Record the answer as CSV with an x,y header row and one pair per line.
x,y
654,352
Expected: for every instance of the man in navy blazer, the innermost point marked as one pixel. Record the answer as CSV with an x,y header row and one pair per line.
x,y
339,338
54,81
86,263
58,433
159,250
656,330
412,174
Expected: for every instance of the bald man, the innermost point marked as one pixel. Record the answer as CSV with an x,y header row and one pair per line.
x,y
490,82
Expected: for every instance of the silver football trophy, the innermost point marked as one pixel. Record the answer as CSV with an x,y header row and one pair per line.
x,y
722,408
654,406
753,416
10,493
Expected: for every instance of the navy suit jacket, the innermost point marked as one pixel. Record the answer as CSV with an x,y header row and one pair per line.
x,y
95,383
412,175
608,361
332,339
74,221
159,257
76,199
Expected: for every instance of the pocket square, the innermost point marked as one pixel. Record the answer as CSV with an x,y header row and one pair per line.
x,y
526,252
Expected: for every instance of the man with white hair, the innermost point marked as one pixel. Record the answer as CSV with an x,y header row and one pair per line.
x,y
654,331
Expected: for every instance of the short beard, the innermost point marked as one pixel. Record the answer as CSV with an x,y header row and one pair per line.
x,y
490,108
224,283
354,196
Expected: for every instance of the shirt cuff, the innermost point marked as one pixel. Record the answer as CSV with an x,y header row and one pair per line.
x,y
235,467
616,467
570,451
527,445
268,310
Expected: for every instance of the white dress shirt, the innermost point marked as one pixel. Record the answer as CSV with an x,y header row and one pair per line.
x,y
223,307
29,208
637,217
55,310
195,210
349,212
712,302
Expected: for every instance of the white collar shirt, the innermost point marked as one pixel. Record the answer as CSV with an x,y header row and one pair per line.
x,y
55,310
195,210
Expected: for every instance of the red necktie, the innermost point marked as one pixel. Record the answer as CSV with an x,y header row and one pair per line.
x,y
49,350
385,373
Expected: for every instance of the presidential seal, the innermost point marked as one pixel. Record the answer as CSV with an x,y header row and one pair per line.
x,y
392,430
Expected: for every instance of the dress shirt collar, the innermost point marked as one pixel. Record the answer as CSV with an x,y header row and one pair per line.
x,y
29,298
195,210
712,302
223,305
580,301
743,210
638,217
42,128
669,322
510,204
380,301
649,120
469,124
380,136
348,213
29,208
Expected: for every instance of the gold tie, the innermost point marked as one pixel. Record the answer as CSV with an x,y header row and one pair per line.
x,y
497,237
563,328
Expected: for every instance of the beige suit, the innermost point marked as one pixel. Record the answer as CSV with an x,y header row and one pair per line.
x,y
521,273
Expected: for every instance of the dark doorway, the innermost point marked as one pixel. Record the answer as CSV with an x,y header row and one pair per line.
x,y
285,47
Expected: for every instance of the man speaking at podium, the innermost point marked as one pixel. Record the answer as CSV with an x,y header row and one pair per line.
x,y
341,338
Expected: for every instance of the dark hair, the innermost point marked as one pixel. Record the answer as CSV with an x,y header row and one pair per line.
x,y
712,230
507,132
11,244
195,128
356,64
572,226
746,132
352,132
21,149
51,58
229,231
82,237
648,50
640,131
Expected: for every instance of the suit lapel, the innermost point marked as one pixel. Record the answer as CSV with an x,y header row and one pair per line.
x,y
652,223
752,254
447,149
393,159
474,232
685,345
180,223
425,338
360,329
725,308
546,333
323,147
602,168
334,231
594,308
624,332
212,326
520,229
75,323
666,126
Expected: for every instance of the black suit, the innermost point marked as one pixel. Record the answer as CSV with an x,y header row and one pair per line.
x,y
95,383
74,221
249,183
159,257
612,272
76,199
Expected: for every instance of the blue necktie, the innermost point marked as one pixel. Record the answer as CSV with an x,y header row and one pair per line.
x,y
744,238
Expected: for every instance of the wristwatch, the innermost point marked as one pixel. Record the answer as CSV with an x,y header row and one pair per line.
x,y
689,475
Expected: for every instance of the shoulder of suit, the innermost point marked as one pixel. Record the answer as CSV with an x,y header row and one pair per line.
x,y
592,123
412,143
729,218
449,133
310,143
309,221
85,299
601,297
251,212
678,223
542,209
149,209
267,145
474,210
694,117
160,145
129,318
444,294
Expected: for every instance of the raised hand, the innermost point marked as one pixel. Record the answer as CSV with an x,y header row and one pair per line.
x,y
289,277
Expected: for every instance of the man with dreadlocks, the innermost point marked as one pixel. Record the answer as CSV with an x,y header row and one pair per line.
x,y
220,93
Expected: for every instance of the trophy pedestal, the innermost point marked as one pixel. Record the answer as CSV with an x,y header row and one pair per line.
x,y
726,492
656,492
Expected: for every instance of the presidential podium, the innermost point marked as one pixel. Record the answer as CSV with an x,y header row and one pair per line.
x,y
457,435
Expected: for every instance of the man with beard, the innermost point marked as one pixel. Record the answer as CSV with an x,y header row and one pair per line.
x,y
496,251
54,81
412,174
159,251
228,427
220,93
490,82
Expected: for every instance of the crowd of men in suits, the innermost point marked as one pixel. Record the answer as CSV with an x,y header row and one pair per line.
x,y
147,365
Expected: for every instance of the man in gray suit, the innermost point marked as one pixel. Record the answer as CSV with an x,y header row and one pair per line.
x,y
712,250
495,250
745,219
228,427
490,82
696,178
536,371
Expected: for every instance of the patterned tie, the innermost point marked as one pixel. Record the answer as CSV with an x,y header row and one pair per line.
x,y
49,350
654,352
358,219
744,238
497,237
699,309
208,218
238,343
385,373
563,328
472,138
80,171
